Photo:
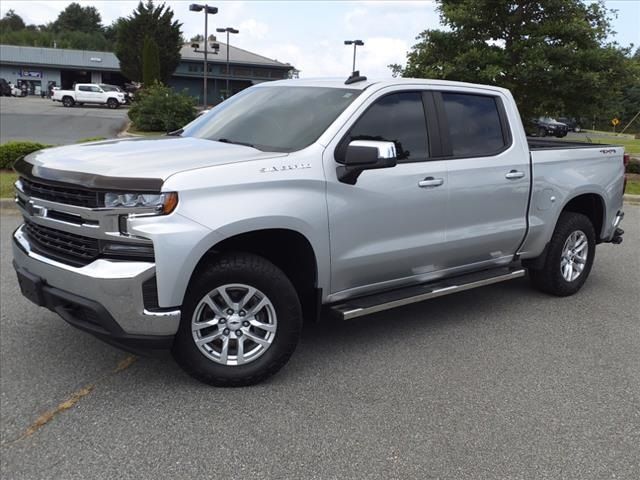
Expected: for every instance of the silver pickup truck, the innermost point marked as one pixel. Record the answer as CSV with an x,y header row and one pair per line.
x,y
300,199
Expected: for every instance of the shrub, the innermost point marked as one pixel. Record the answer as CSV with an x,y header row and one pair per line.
x,y
91,139
159,108
12,151
633,166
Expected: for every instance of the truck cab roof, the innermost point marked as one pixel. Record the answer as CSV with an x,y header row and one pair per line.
x,y
339,82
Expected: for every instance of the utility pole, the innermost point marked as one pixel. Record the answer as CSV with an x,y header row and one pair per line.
x,y
195,7
355,43
228,30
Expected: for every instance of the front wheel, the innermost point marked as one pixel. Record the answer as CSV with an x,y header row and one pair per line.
x,y
241,321
113,103
570,255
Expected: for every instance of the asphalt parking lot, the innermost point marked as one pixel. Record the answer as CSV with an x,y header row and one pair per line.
x,y
502,382
45,121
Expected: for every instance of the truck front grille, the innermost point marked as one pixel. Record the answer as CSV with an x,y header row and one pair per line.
x,y
68,196
65,247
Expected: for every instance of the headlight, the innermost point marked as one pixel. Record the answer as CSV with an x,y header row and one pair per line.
x,y
161,203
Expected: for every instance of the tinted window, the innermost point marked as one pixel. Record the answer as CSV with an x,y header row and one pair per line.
x,y
397,118
474,124
95,89
82,88
278,118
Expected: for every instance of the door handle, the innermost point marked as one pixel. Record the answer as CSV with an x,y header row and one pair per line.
x,y
514,174
430,182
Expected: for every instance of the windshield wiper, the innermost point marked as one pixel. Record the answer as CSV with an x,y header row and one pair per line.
x,y
234,142
175,133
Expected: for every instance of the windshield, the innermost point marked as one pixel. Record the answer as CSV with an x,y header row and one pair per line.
x,y
280,119
109,88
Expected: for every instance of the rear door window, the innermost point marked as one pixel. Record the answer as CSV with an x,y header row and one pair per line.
x,y
474,124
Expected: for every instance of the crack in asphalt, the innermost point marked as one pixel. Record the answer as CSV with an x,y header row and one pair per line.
x,y
71,401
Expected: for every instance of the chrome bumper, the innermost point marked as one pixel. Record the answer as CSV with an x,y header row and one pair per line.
x,y
115,285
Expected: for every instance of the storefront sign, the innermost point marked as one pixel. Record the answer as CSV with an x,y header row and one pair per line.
x,y
31,73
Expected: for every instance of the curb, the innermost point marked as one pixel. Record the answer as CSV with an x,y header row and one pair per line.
x,y
632,199
125,131
8,205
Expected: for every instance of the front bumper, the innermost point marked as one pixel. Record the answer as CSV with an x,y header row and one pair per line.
x,y
104,297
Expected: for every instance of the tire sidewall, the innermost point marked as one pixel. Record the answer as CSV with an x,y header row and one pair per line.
x,y
275,285
569,223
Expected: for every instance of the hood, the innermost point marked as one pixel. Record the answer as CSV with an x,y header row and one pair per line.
x,y
133,161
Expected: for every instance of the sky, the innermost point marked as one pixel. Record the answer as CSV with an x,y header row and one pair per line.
x,y
310,34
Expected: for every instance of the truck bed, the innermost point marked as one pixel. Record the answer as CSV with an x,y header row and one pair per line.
x,y
537,143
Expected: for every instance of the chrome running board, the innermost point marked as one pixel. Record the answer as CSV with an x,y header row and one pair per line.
x,y
361,306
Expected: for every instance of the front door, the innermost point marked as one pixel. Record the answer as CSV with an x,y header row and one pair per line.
x,y
388,228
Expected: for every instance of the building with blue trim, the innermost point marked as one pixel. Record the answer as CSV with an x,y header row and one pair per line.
x,y
39,68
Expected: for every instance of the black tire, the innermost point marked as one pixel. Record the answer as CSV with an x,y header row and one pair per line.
x,y
113,103
68,101
542,132
549,278
257,272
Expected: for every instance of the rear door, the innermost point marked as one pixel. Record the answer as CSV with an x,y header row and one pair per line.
x,y
389,228
83,94
488,179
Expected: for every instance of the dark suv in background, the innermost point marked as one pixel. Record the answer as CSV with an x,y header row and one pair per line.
x,y
547,126
572,123
5,89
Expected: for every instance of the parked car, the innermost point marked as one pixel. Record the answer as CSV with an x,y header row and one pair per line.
x,y
298,197
572,123
547,126
89,93
128,97
5,88
16,91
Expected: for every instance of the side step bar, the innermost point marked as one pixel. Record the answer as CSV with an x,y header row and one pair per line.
x,y
361,306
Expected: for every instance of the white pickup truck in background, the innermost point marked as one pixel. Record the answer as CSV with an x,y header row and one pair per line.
x,y
90,93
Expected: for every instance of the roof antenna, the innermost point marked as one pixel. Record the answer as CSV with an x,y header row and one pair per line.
x,y
355,77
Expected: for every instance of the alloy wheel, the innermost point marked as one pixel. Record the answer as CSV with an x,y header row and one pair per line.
x,y
234,324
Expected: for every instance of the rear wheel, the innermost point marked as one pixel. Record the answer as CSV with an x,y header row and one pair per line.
x,y
542,132
569,257
68,102
241,321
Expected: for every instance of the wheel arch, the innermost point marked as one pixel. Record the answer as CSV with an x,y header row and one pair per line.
x,y
592,205
288,249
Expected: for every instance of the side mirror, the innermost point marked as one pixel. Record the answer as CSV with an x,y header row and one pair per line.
x,y
366,155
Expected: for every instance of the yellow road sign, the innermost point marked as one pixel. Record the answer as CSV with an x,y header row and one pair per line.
x,y
615,121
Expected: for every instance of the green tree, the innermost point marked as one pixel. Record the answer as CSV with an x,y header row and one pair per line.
x,y
552,54
77,18
150,62
158,24
11,22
